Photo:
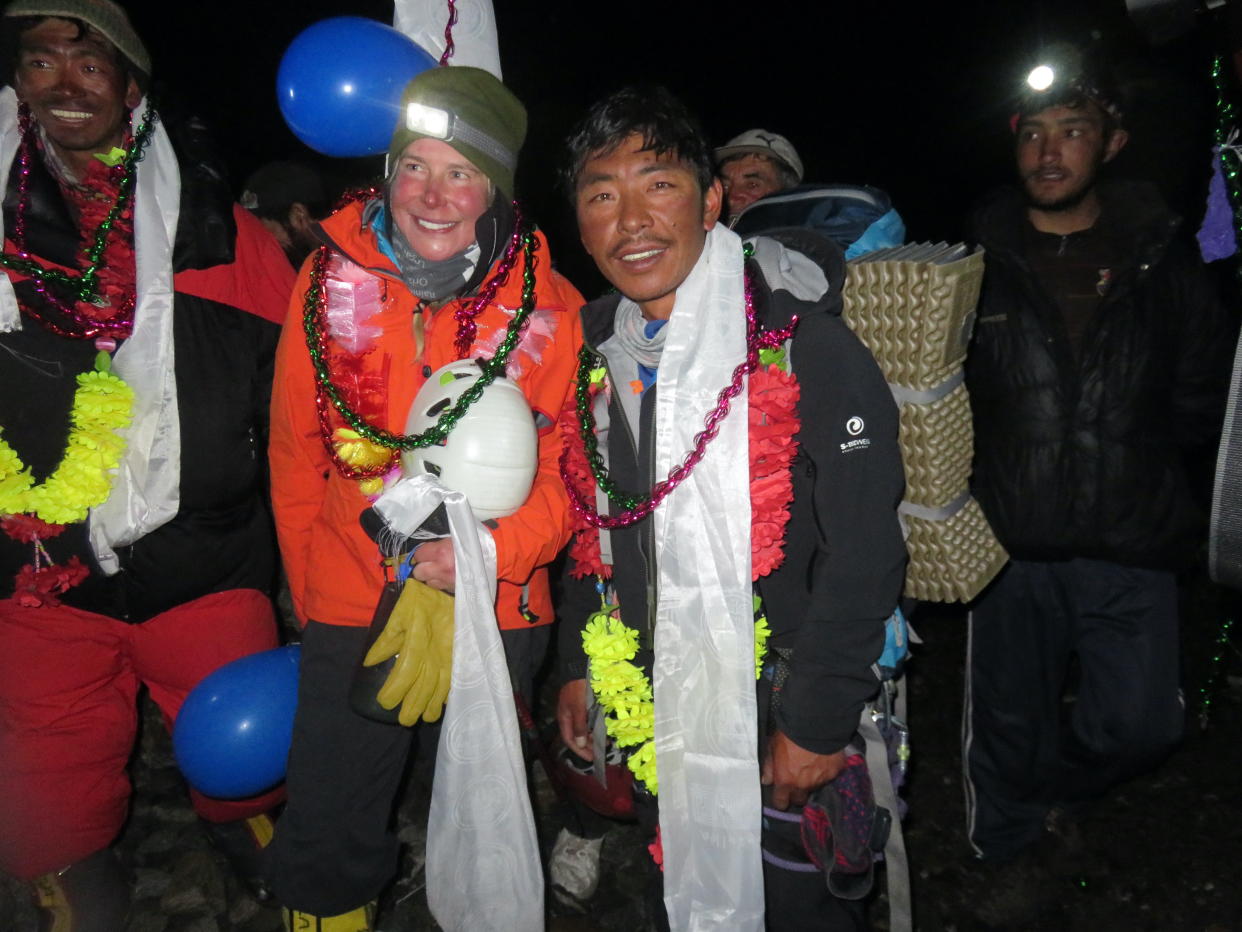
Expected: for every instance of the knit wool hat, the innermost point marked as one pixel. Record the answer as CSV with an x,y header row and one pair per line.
x,y
105,16
470,110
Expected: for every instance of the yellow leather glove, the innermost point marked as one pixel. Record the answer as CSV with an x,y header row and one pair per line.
x,y
419,633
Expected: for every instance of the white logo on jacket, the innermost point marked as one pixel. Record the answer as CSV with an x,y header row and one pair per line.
x,y
855,426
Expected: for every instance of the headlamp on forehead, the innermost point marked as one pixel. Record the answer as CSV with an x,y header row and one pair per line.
x,y
430,121
1065,74
1041,78
440,124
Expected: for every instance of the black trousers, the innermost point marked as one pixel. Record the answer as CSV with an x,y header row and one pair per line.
x,y
335,849
1026,749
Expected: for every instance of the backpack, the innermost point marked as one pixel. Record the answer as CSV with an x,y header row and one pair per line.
x,y
858,218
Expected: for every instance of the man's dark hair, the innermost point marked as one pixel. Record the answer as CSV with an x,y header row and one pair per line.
x,y
12,28
650,111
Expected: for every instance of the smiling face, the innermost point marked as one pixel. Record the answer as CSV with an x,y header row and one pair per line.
x,y
76,88
435,197
643,219
1059,153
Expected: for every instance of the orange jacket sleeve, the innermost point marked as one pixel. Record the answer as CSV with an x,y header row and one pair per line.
x,y
299,462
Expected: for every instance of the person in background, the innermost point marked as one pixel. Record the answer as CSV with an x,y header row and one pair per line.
x,y
753,165
288,197
1097,378
762,176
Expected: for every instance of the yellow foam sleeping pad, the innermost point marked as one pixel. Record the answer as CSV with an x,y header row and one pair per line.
x,y
419,633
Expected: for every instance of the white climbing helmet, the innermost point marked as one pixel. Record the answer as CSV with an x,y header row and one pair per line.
x,y
493,451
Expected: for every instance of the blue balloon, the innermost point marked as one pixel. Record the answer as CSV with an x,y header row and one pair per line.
x,y
340,81
232,735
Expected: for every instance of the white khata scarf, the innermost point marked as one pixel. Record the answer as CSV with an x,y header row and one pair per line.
x,y
706,719
483,868
146,492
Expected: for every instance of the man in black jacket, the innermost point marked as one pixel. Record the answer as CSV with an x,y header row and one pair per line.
x,y
135,368
691,563
1096,376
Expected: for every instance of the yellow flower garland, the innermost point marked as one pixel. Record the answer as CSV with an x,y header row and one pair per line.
x,y
361,453
624,691
102,408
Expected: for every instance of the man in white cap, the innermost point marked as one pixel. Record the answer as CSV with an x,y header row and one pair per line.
x,y
754,164
758,166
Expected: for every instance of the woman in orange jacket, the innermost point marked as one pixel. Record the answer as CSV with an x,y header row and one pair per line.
x,y
434,269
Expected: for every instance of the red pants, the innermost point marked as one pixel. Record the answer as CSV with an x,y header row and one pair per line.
x,y
68,715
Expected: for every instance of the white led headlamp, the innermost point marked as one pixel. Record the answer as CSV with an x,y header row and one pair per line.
x,y
440,124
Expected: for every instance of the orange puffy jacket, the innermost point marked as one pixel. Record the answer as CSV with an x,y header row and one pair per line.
x,y
333,567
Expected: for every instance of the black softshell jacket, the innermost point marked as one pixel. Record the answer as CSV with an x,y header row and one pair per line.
x,y
844,554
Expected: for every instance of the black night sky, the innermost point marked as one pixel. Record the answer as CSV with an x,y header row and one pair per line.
x,y
910,97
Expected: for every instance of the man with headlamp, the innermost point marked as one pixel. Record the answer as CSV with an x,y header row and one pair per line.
x,y
437,267
1098,369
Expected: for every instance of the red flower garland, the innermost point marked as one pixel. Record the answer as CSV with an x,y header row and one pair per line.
x,y
29,528
772,413
584,549
772,416
92,199
36,586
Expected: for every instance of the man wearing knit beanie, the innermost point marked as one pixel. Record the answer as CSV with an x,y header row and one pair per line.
x,y
153,569
429,270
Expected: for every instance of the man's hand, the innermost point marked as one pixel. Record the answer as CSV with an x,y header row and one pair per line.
x,y
571,715
435,565
794,772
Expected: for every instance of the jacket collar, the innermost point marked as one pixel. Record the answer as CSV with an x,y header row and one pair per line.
x,y
598,315
1132,212
347,233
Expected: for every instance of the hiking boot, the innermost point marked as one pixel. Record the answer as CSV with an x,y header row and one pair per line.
x,y
361,919
574,869
90,895
242,843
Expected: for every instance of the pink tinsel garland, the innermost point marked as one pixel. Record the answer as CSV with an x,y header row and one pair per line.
x,y
772,415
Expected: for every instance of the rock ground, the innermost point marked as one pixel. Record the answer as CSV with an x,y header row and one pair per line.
x,y
1162,849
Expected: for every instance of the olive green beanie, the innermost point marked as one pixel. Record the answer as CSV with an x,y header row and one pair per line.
x,y
470,110
109,19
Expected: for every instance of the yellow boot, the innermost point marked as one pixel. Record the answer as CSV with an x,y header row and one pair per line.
x,y
91,895
356,920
